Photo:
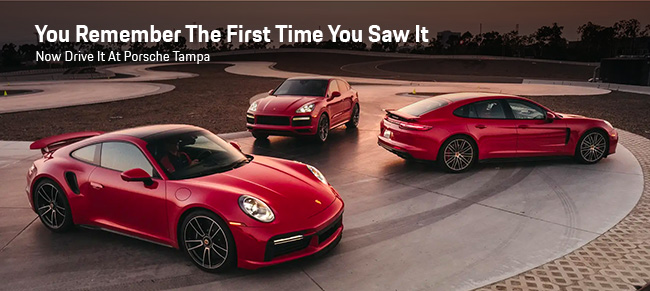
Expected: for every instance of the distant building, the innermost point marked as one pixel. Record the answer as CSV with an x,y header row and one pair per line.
x,y
444,36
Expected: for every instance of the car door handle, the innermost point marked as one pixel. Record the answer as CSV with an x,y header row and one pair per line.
x,y
480,126
523,126
96,186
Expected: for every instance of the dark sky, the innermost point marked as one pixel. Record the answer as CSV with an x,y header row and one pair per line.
x,y
17,19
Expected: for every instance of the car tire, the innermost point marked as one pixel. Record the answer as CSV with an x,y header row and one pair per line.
x,y
592,147
354,118
323,129
52,207
260,136
457,154
207,241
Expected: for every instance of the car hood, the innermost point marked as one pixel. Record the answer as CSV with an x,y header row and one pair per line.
x,y
283,103
289,188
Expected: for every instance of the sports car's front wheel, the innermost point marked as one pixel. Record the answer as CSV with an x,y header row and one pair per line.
x,y
591,148
52,206
207,240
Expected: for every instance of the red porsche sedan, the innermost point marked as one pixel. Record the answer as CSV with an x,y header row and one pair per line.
x,y
457,130
305,106
184,187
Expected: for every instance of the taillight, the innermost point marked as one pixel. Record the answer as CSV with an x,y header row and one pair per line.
x,y
414,126
408,125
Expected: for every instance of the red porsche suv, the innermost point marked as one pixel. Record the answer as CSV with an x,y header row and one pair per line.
x,y
304,106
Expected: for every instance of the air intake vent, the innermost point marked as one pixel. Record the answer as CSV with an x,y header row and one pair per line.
x,y
71,179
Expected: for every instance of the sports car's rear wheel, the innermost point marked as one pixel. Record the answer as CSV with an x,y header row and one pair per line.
x,y
354,119
323,130
457,154
207,240
52,206
591,147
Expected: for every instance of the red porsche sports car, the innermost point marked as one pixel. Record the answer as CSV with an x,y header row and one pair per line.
x,y
457,130
306,106
184,187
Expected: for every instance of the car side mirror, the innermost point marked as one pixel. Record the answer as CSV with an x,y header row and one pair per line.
x,y
335,94
550,116
137,175
271,92
235,145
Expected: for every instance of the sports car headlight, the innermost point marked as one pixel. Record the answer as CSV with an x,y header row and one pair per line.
x,y
256,208
306,108
317,173
253,106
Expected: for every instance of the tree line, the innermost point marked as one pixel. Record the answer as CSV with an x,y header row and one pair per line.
x,y
625,37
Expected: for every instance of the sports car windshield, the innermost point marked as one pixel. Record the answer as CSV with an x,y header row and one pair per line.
x,y
194,154
303,87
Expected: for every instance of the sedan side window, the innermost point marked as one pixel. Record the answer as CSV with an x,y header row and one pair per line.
x,y
525,110
466,111
122,156
490,109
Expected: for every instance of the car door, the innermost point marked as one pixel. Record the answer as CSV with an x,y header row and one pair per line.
x,y
348,99
537,136
130,207
335,104
496,135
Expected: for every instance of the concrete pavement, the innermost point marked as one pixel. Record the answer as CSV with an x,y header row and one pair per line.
x,y
55,94
408,225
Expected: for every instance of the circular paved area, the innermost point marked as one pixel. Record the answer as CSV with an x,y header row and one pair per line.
x,y
408,225
55,94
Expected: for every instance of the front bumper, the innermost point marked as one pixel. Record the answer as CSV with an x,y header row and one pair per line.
x,y
258,246
294,125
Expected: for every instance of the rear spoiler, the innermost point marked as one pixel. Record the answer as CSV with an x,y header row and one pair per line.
x,y
395,114
52,143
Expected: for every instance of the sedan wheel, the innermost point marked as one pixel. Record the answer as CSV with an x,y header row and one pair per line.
x,y
323,128
52,206
208,242
592,147
457,154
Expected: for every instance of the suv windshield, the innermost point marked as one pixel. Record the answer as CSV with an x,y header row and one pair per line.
x,y
194,154
303,87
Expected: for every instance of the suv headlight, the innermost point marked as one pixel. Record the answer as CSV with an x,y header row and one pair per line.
x,y
253,106
306,108
317,174
256,208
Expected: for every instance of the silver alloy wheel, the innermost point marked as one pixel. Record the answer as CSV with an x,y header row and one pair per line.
x,y
206,242
323,128
50,205
458,154
593,147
